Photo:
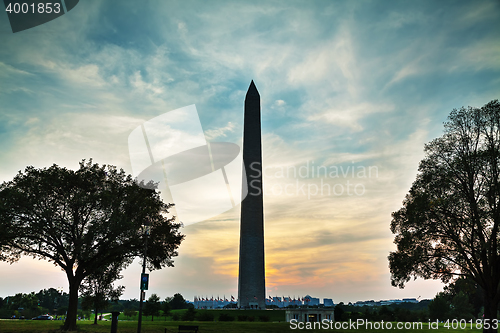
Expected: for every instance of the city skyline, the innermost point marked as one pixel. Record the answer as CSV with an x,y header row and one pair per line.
x,y
350,93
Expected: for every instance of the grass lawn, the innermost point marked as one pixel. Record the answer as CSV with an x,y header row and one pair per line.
x,y
28,326
8,326
159,325
277,315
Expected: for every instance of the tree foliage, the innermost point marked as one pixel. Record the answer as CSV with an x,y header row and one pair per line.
x,y
338,311
471,289
439,308
153,306
449,224
461,308
53,300
189,315
97,288
178,302
129,313
26,305
82,221
166,308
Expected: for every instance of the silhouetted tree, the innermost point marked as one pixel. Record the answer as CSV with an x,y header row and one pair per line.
x,y
439,308
165,307
385,313
153,306
25,304
178,302
97,288
461,308
82,221
338,311
129,313
52,300
189,315
470,288
449,224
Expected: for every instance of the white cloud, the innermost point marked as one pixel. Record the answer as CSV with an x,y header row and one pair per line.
x,y
68,138
408,70
212,134
349,115
324,66
137,81
86,75
7,70
482,55
332,62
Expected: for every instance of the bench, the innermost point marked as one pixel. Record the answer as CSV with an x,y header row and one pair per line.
x,y
188,328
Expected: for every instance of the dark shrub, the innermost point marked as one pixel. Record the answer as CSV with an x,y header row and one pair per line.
x,y
242,318
251,318
189,315
226,317
264,318
176,317
205,316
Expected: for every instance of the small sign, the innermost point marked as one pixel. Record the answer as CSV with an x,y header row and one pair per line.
x,y
144,281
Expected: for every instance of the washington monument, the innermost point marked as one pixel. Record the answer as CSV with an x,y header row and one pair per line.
x,y
251,278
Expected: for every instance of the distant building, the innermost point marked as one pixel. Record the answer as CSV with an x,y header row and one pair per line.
x,y
366,303
210,303
308,300
283,302
328,302
314,301
309,315
410,300
294,301
392,301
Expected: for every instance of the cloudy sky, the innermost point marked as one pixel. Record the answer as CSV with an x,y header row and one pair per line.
x,y
344,85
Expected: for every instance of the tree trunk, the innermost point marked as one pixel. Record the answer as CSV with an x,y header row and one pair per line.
x,y
70,322
95,317
490,314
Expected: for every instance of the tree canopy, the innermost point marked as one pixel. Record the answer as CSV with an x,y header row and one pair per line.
x,y
178,302
84,220
53,300
153,306
449,224
166,308
97,288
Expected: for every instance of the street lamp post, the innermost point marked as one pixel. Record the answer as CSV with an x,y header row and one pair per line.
x,y
143,285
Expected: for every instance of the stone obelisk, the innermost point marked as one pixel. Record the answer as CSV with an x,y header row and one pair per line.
x,y
251,278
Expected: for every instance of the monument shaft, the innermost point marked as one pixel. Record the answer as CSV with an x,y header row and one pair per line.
x,y
251,278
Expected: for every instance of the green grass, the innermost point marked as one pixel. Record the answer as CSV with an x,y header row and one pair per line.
x,y
276,315
29,326
17,326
